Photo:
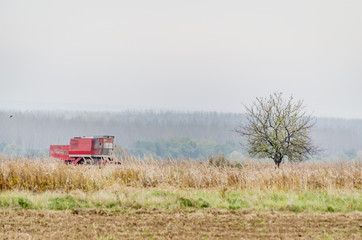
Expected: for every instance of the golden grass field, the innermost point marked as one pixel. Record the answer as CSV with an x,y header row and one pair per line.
x,y
50,175
179,199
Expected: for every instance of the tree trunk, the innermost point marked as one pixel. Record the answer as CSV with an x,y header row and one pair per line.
x,y
278,161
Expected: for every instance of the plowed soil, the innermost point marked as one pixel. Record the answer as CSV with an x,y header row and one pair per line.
x,y
156,224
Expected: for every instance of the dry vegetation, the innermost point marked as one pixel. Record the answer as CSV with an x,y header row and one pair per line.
x,y
50,175
179,199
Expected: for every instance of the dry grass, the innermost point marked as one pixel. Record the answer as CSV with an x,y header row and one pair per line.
x,y
49,175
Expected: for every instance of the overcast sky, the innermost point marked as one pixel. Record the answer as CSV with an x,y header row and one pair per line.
x,y
180,55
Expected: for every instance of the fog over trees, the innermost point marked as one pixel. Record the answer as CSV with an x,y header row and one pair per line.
x,y
39,129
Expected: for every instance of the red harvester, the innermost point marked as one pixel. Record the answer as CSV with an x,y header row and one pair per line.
x,y
85,150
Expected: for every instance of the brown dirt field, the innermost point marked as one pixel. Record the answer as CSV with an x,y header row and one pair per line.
x,y
157,224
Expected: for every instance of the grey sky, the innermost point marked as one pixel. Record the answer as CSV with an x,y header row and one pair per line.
x,y
180,55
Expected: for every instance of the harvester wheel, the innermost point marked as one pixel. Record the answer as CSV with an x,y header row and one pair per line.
x,y
80,162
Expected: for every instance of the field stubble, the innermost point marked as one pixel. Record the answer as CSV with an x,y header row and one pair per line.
x,y
207,224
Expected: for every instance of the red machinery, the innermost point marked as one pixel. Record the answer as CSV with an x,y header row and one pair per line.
x,y
85,150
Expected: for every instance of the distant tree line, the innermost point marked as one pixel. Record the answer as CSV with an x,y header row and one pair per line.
x,y
14,150
34,131
185,147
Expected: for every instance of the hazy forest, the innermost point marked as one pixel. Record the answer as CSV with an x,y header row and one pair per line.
x,y
162,134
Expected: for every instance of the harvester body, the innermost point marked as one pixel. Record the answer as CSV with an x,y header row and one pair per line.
x,y
85,150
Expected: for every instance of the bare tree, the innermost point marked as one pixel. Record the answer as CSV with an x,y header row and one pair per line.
x,y
279,129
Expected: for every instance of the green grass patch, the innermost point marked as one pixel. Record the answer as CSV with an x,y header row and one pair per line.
x,y
66,203
192,203
16,202
296,202
24,202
